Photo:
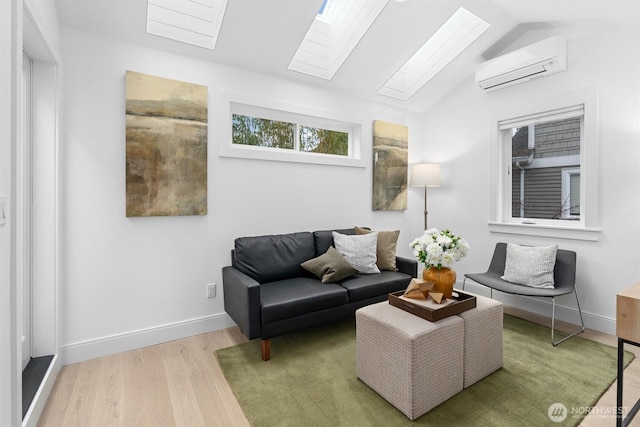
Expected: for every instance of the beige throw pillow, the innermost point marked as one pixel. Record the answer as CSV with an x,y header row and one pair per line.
x,y
386,250
329,267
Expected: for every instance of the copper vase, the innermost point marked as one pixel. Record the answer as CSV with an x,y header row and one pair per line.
x,y
444,279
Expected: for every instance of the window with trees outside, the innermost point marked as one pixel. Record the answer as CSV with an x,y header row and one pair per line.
x,y
305,136
544,178
261,132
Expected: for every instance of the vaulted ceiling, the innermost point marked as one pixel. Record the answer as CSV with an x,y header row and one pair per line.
x,y
263,36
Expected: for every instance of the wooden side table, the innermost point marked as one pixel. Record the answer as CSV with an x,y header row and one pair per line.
x,y
627,331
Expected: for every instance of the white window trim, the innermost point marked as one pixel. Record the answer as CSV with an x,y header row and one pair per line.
x,y
588,228
236,104
566,190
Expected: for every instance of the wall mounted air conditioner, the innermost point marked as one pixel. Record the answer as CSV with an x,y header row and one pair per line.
x,y
540,59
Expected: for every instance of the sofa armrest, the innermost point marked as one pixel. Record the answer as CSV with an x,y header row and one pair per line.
x,y
408,266
242,301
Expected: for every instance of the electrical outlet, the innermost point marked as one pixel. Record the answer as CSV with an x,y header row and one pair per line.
x,y
211,290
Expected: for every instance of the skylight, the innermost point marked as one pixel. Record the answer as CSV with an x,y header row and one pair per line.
x,y
335,31
453,37
196,22
322,7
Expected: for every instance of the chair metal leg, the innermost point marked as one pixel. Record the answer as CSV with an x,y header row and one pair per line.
x,y
463,283
553,318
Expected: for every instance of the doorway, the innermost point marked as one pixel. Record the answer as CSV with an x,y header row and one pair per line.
x,y
34,369
36,180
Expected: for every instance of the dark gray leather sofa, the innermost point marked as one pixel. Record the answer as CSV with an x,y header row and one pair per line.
x,y
268,294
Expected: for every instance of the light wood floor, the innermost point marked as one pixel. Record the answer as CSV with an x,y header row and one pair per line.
x,y
180,383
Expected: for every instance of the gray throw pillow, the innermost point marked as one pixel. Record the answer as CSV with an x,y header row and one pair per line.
x,y
530,265
386,249
329,267
360,251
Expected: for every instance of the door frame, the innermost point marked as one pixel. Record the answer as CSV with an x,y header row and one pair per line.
x,y
23,211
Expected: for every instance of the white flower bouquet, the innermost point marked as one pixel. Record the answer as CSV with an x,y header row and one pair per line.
x,y
439,248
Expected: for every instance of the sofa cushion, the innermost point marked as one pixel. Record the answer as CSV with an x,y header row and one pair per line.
x,y
288,298
330,266
273,257
386,250
323,239
365,286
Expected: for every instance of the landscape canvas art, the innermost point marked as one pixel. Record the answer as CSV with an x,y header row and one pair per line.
x,y
390,158
166,146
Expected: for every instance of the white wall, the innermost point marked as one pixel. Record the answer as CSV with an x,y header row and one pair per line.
x,y
130,282
457,133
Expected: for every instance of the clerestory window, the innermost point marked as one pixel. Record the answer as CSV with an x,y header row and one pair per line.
x,y
269,134
256,131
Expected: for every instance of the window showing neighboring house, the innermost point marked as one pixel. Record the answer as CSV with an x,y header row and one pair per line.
x,y
540,156
540,185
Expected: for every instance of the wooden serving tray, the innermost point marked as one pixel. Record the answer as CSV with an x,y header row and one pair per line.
x,y
430,311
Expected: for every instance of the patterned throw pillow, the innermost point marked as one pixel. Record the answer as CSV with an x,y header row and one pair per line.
x,y
386,250
530,265
359,251
329,267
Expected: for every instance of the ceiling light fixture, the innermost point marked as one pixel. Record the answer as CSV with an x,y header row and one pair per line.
x,y
454,36
195,22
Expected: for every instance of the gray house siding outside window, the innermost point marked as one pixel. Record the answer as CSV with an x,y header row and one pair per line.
x,y
538,164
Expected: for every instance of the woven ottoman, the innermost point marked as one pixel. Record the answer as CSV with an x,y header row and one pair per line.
x,y
412,363
482,339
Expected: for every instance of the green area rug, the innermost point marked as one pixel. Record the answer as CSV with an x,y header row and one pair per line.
x,y
311,381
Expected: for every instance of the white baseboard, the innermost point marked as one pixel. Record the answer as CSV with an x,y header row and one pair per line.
x,y
567,313
98,347
90,349
40,399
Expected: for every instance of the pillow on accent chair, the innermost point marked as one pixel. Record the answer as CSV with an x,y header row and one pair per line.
x,y
386,249
360,251
330,266
530,265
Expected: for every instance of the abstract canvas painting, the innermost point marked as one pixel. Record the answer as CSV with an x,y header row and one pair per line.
x,y
390,157
166,146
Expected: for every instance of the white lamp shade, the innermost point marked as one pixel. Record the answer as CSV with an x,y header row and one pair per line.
x,y
427,174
